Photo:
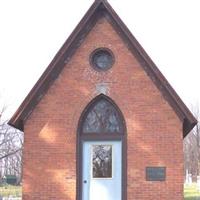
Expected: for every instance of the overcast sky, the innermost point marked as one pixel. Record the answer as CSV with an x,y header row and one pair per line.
x,y
32,31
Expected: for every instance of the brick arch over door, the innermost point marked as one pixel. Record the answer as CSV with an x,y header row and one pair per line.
x,y
102,120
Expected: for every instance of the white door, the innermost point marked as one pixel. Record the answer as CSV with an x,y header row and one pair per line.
x,y
101,170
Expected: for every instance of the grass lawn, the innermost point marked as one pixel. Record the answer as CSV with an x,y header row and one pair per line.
x,y
8,190
191,192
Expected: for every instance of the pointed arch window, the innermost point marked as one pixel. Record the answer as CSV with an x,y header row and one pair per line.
x,y
102,116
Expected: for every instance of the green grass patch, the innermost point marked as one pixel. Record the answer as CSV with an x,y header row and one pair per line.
x,y
191,192
8,190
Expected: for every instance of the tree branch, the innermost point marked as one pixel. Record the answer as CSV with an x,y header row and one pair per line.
x,y
10,154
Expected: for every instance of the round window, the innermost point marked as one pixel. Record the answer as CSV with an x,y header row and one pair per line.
x,y
102,59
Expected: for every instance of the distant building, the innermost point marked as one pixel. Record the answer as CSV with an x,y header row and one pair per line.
x,y
102,122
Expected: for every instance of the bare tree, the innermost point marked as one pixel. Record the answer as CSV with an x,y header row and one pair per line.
x,y
192,147
11,142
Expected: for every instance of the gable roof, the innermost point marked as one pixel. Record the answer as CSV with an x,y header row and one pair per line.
x,y
101,8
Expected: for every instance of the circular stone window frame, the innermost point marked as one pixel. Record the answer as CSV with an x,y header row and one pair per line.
x,y
94,66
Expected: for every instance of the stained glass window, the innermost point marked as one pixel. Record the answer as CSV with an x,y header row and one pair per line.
x,y
102,59
102,117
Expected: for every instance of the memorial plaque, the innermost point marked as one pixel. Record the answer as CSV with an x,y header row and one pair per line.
x,y
155,173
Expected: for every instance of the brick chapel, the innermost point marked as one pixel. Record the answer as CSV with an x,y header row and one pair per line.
x,y
102,122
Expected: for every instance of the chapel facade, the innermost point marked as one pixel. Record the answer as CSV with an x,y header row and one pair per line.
x,y
102,122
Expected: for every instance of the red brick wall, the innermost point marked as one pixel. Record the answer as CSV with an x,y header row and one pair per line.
x,y
154,132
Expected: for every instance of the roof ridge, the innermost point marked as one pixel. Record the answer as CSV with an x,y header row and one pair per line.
x,y
102,0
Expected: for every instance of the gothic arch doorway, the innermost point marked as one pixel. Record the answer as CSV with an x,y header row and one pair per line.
x,y
101,152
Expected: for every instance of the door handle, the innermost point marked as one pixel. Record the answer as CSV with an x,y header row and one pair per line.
x,y
84,181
